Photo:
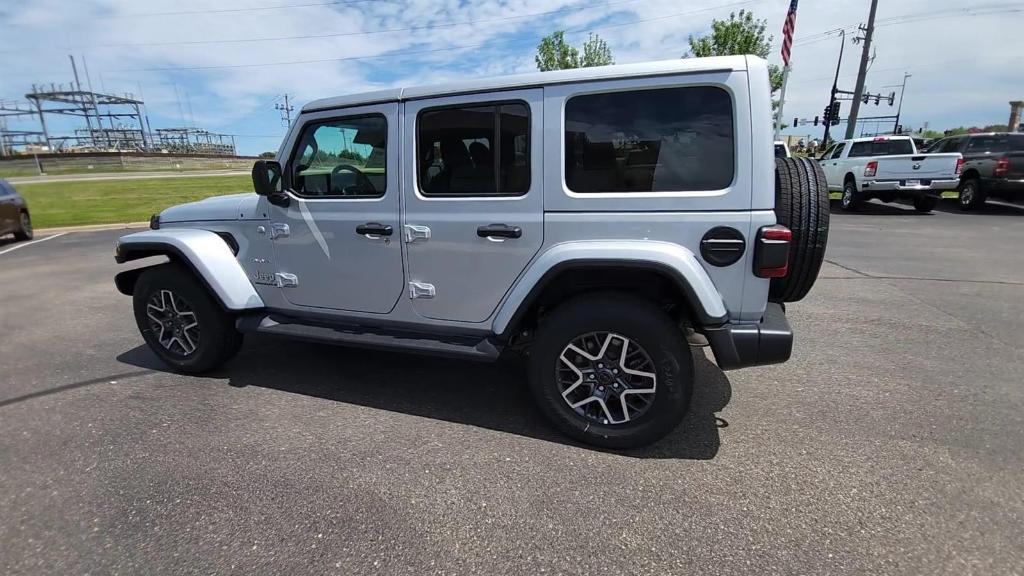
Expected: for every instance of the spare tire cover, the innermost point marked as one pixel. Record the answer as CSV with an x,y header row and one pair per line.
x,y
801,204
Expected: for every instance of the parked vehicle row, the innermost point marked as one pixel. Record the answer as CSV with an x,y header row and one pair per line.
x,y
889,168
14,215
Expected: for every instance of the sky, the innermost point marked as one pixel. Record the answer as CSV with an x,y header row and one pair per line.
x,y
229,62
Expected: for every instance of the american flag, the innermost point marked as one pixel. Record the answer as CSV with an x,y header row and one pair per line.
x,y
787,32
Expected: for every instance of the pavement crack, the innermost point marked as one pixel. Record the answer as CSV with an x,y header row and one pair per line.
x,y
921,278
73,385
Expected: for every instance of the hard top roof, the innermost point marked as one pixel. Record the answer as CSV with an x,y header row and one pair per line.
x,y
534,79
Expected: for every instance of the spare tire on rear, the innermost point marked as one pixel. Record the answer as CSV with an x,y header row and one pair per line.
x,y
801,204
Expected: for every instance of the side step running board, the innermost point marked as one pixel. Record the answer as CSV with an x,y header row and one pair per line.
x,y
482,350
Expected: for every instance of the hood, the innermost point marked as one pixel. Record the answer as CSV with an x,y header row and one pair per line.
x,y
230,207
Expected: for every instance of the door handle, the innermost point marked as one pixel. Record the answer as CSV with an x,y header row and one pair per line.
x,y
498,232
374,230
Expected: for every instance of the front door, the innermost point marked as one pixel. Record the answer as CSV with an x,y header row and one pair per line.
x,y
474,199
337,245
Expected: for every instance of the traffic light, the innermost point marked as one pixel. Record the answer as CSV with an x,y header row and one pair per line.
x,y
892,97
834,116
815,120
796,121
827,114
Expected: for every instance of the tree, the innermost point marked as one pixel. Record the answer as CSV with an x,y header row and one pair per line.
x,y
740,34
554,53
268,154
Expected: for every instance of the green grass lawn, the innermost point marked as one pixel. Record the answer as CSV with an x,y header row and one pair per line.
x,y
115,201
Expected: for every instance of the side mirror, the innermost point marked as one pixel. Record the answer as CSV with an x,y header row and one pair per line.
x,y
266,177
266,180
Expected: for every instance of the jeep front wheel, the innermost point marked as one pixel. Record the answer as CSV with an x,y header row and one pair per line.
x,y
181,322
611,370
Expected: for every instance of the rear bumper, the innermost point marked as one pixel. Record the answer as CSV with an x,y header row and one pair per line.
x,y
933,187
743,345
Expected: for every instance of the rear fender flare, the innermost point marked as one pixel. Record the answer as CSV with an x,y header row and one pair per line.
x,y
672,259
206,253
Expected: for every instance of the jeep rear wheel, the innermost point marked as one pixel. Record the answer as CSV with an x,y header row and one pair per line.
x,y
611,370
181,322
801,204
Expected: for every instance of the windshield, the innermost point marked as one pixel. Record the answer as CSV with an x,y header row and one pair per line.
x,y
881,148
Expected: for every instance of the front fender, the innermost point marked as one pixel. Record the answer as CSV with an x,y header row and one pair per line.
x,y
206,253
672,259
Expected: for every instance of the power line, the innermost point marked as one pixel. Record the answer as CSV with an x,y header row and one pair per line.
x,y
427,51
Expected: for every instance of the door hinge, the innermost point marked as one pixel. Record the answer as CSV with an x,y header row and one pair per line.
x,y
421,290
286,280
414,233
280,231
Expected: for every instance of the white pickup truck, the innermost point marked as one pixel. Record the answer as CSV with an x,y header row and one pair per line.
x,y
888,168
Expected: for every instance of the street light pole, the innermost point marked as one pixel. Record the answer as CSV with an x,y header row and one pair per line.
x,y
835,83
900,107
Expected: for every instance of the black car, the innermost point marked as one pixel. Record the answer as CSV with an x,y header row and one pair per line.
x,y
14,216
993,166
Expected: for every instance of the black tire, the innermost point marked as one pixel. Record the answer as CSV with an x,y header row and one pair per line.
x,y
850,201
970,194
214,340
24,231
801,204
650,331
925,203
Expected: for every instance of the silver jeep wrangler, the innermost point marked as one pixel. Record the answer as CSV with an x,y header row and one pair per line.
x,y
598,220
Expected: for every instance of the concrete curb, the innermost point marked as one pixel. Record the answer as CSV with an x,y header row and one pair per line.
x,y
92,228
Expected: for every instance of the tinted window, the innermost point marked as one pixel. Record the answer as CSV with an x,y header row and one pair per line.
x,y
880,148
669,139
342,158
479,150
951,145
996,143
839,150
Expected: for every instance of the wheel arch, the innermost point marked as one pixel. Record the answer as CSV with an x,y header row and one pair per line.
x,y
970,174
850,178
651,269
203,252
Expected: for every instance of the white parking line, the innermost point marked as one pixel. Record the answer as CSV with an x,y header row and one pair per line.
x,y
23,244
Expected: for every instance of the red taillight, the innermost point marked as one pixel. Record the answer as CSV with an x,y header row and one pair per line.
x,y
870,169
959,166
1002,166
771,257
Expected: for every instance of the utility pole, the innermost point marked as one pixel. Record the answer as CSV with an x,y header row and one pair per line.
x,y
851,123
286,111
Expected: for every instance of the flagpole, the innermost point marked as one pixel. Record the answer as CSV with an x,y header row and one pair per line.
x,y
782,101
787,45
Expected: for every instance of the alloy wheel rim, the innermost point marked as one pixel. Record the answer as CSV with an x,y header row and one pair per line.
x,y
173,322
847,196
26,223
606,378
967,194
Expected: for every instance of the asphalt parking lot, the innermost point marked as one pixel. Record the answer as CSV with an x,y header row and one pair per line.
x,y
890,444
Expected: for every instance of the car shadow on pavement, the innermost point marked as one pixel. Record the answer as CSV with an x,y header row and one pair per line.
x,y
873,208
989,208
492,396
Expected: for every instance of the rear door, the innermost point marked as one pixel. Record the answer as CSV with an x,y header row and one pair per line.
x,y
834,173
473,199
